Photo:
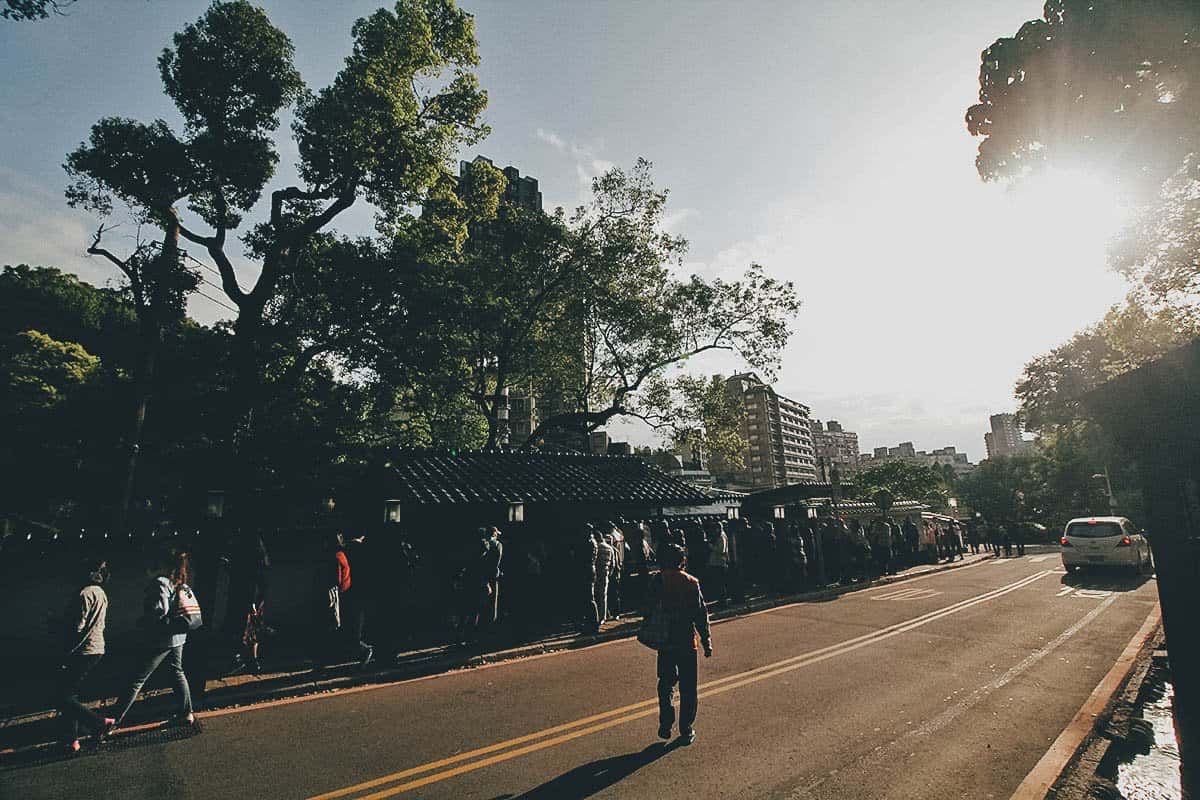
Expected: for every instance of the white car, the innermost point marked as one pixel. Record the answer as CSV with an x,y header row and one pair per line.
x,y
1105,542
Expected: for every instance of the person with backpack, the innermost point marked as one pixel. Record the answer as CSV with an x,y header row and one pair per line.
x,y
676,622
170,610
83,631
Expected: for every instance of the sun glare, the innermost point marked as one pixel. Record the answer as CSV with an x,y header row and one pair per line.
x,y
1073,203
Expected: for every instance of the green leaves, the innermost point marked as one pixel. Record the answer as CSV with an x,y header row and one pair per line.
x,y
903,481
1097,84
145,166
377,128
39,372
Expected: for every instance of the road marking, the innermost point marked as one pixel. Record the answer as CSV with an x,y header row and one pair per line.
x,y
1093,594
884,752
1066,591
907,594
1046,772
1038,559
646,708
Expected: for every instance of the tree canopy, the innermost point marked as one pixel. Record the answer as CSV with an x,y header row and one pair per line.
x,y
904,481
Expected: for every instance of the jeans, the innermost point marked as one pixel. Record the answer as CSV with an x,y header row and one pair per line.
x,y
150,662
74,712
677,666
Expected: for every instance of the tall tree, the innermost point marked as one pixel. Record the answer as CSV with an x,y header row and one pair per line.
x,y
1098,84
383,131
1107,86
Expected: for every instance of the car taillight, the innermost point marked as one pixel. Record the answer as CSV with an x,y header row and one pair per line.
x,y
1066,542
1125,542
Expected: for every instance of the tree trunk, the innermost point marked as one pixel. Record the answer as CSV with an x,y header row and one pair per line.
x,y
150,312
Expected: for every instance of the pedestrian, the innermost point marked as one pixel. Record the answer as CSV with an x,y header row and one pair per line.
x,y
973,537
797,557
718,559
1019,537
602,568
881,546
616,540
250,568
912,540
83,636
490,574
1006,538
169,611
676,595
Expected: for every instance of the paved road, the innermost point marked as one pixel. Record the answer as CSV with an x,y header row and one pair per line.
x,y
947,686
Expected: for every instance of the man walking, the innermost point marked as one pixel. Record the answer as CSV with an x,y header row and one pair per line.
x,y
682,604
602,568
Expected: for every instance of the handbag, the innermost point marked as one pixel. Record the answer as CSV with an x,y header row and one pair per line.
x,y
655,632
185,611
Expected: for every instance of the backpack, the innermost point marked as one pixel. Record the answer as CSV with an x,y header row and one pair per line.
x,y
185,610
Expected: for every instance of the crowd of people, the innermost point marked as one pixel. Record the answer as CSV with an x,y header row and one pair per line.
x,y
609,568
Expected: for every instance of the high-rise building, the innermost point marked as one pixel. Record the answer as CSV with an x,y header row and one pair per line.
x,y
832,445
521,190
1005,438
778,436
907,452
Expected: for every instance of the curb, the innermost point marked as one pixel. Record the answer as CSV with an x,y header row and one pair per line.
x,y
236,700
1091,718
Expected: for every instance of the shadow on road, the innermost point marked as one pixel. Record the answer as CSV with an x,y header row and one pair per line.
x,y
1105,580
589,779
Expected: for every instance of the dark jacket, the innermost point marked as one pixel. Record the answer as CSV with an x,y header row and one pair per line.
x,y
683,602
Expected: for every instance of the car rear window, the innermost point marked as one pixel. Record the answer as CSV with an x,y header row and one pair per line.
x,y
1094,530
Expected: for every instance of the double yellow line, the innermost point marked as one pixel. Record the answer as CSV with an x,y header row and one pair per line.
x,y
559,734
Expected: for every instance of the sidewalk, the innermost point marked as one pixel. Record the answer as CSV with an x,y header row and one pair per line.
x,y
23,732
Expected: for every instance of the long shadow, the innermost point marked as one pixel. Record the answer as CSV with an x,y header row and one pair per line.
x,y
585,781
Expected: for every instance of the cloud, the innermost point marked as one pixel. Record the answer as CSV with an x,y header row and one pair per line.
x,y
551,138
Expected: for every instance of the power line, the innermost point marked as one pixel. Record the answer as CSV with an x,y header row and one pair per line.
x,y
218,302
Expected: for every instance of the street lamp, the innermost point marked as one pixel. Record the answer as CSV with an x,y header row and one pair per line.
x,y
214,507
1112,501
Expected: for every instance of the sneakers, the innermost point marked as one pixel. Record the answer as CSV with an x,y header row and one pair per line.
x,y
72,747
687,737
664,731
368,656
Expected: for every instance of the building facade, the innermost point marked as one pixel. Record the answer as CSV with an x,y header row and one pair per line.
x,y
1005,438
521,190
833,445
907,452
777,432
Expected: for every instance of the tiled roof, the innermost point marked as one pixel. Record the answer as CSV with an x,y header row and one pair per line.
x,y
533,477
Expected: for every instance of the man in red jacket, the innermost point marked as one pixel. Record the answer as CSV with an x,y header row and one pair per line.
x,y
681,599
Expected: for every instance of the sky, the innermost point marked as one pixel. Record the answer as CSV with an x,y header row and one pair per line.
x,y
823,140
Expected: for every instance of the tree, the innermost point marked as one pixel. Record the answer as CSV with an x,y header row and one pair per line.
x,y
1052,385
904,481
709,417
19,10
1110,86
1102,84
628,320
1001,490
39,372
383,131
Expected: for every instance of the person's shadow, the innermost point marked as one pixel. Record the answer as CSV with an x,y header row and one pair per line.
x,y
587,780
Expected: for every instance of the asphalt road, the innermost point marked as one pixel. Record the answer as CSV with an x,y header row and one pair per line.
x,y
951,685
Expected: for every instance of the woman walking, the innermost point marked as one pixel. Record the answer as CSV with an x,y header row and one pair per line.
x,y
168,613
83,630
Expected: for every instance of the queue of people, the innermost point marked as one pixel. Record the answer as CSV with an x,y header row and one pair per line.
x,y
611,566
